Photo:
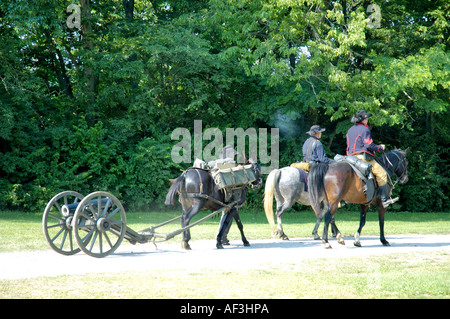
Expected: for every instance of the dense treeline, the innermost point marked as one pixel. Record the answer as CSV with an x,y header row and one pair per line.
x,y
93,108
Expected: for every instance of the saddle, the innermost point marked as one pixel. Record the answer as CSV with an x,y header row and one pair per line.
x,y
364,171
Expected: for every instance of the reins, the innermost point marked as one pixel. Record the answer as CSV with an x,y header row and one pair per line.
x,y
385,157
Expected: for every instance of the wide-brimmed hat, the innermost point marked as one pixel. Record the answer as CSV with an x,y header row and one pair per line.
x,y
361,115
228,152
315,129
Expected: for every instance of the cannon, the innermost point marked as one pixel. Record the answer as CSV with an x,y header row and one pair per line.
x,y
96,224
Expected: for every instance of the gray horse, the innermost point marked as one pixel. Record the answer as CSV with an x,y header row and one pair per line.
x,y
288,186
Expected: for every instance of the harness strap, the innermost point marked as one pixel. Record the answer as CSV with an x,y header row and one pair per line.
x,y
204,196
200,179
309,148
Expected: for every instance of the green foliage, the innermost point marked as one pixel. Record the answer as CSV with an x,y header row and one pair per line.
x,y
147,173
93,108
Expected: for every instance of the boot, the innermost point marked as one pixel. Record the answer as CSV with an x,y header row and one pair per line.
x,y
386,201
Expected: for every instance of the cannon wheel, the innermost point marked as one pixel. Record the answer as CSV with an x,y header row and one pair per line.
x,y
99,228
57,226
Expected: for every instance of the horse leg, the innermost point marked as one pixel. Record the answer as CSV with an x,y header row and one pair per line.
x,y
185,219
334,229
319,220
336,233
362,222
241,229
329,218
225,241
327,221
280,210
316,227
381,213
186,233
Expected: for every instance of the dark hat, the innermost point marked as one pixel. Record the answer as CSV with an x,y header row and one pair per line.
x,y
361,115
315,129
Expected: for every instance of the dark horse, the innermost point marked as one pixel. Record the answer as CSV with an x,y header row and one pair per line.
x,y
198,181
338,181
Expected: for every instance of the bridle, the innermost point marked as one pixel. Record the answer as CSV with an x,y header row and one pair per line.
x,y
259,181
403,161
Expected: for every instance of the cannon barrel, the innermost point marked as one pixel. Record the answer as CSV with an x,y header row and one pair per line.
x,y
69,209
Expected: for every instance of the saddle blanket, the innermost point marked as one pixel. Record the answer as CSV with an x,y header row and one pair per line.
x,y
303,178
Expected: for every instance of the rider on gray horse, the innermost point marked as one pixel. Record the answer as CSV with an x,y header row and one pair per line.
x,y
313,151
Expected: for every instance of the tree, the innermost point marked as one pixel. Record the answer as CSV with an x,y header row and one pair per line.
x,y
93,107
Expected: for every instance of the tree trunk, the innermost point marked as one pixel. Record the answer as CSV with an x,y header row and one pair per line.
x,y
58,62
128,5
88,45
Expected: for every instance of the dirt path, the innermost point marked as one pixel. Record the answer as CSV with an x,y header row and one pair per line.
x,y
261,254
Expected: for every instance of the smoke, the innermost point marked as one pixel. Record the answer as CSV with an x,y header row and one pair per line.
x,y
288,123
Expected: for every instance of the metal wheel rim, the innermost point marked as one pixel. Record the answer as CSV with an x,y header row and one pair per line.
x,y
91,232
56,226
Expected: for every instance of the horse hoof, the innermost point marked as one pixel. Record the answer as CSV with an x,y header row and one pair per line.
x,y
284,237
340,239
386,243
327,246
317,237
246,244
185,246
356,242
226,243
219,246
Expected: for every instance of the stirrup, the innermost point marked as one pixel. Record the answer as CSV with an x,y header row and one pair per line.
x,y
390,201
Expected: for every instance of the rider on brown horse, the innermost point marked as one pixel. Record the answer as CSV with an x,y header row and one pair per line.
x,y
361,145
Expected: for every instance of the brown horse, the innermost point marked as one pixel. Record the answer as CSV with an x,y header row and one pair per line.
x,y
338,181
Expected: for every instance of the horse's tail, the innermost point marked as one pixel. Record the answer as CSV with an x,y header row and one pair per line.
x,y
173,190
271,181
316,186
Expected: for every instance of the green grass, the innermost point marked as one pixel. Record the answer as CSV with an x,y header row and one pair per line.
x,y
23,231
407,275
424,275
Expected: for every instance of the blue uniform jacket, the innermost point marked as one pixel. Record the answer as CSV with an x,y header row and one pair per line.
x,y
316,153
359,140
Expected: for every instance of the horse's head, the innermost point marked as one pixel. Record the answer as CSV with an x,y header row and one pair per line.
x,y
257,169
397,162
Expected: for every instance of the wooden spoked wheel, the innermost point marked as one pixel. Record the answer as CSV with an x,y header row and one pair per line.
x,y
57,222
99,224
